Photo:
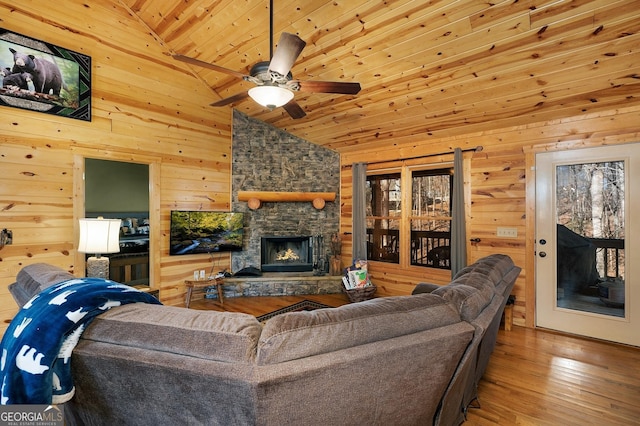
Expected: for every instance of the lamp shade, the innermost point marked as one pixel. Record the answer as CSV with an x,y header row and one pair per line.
x,y
99,236
270,96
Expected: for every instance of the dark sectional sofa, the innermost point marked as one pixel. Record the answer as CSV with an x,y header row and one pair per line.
x,y
404,360
471,283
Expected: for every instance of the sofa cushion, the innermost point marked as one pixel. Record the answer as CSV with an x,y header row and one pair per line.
x,y
469,295
494,266
424,288
504,267
218,336
296,335
32,279
478,280
463,271
501,263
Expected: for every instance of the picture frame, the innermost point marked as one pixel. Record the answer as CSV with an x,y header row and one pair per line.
x,y
40,76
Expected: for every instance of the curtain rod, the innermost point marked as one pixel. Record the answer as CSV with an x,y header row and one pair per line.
x,y
476,149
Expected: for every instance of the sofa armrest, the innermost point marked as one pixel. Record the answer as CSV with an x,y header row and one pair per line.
x,y
32,279
425,288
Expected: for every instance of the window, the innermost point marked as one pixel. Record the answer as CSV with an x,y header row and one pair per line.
x,y
431,217
383,217
424,230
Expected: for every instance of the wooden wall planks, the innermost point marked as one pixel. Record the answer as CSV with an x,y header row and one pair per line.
x,y
137,116
423,93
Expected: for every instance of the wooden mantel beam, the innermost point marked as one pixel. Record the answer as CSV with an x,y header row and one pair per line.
x,y
255,198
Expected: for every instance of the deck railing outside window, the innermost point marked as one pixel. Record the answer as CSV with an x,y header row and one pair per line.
x,y
609,256
428,248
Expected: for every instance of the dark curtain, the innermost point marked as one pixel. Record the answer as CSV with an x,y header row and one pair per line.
x,y
359,211
458,227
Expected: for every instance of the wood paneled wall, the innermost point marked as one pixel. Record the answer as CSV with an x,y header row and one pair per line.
x,y
149,108
146,108
502,192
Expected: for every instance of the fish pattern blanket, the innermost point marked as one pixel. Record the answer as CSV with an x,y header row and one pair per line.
x,y
35,365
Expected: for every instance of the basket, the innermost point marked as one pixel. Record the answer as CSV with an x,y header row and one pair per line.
x,y
360,294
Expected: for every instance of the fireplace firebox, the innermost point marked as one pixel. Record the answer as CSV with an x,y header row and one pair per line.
x,y
286,254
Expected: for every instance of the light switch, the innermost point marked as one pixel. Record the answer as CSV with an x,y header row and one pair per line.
x,y
507,232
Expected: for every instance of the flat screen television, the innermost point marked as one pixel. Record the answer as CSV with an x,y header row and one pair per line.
x,y
194,232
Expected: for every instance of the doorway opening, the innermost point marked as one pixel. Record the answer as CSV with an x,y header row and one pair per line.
x,y
120,190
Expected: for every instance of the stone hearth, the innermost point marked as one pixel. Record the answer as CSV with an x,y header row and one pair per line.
x,y
278,284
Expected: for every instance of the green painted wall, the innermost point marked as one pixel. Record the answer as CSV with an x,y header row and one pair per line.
x,y
114,186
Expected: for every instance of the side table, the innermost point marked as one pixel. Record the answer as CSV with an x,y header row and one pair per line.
x,y
152,291
191,284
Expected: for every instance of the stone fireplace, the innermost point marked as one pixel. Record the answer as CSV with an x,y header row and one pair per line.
x,y
286,254
266,158
269,159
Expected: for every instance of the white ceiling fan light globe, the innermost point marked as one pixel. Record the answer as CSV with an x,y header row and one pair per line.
x,y
271,96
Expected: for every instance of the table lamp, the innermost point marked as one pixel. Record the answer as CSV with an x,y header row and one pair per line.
x,y
99,236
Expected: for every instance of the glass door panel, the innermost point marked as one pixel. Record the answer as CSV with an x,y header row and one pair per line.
x,y
590,237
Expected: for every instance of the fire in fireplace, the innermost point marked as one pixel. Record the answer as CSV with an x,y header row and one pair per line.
x,y
286,254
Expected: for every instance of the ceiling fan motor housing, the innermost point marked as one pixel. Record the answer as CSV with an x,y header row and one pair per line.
x,y
262,76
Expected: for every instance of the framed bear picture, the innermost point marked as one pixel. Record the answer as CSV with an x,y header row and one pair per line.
x,y
42,77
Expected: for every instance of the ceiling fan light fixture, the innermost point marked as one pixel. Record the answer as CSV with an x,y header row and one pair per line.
x,y
271,96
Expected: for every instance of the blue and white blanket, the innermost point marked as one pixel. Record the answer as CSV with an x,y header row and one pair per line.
x,y
35,366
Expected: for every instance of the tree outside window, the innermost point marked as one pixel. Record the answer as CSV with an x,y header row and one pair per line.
x,y
590,203
431,218
384,213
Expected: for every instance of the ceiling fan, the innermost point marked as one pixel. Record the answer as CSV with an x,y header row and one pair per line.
x,y
273,79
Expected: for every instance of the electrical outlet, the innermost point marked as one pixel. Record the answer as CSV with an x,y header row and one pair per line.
x,y
6,237
507,232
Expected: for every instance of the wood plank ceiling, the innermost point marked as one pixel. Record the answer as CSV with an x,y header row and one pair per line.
x,y
427,68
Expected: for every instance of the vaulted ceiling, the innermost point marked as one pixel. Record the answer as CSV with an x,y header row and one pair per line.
x,y
427,68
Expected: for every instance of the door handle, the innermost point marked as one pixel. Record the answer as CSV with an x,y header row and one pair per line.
x,y
475,240
543,254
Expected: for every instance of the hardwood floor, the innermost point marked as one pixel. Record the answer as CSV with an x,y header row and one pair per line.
x,y
539,377
535,377
259,305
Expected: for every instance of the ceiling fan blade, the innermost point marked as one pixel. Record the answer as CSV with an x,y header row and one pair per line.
x,y
294,109
231,99
329,87
199,63
287,51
